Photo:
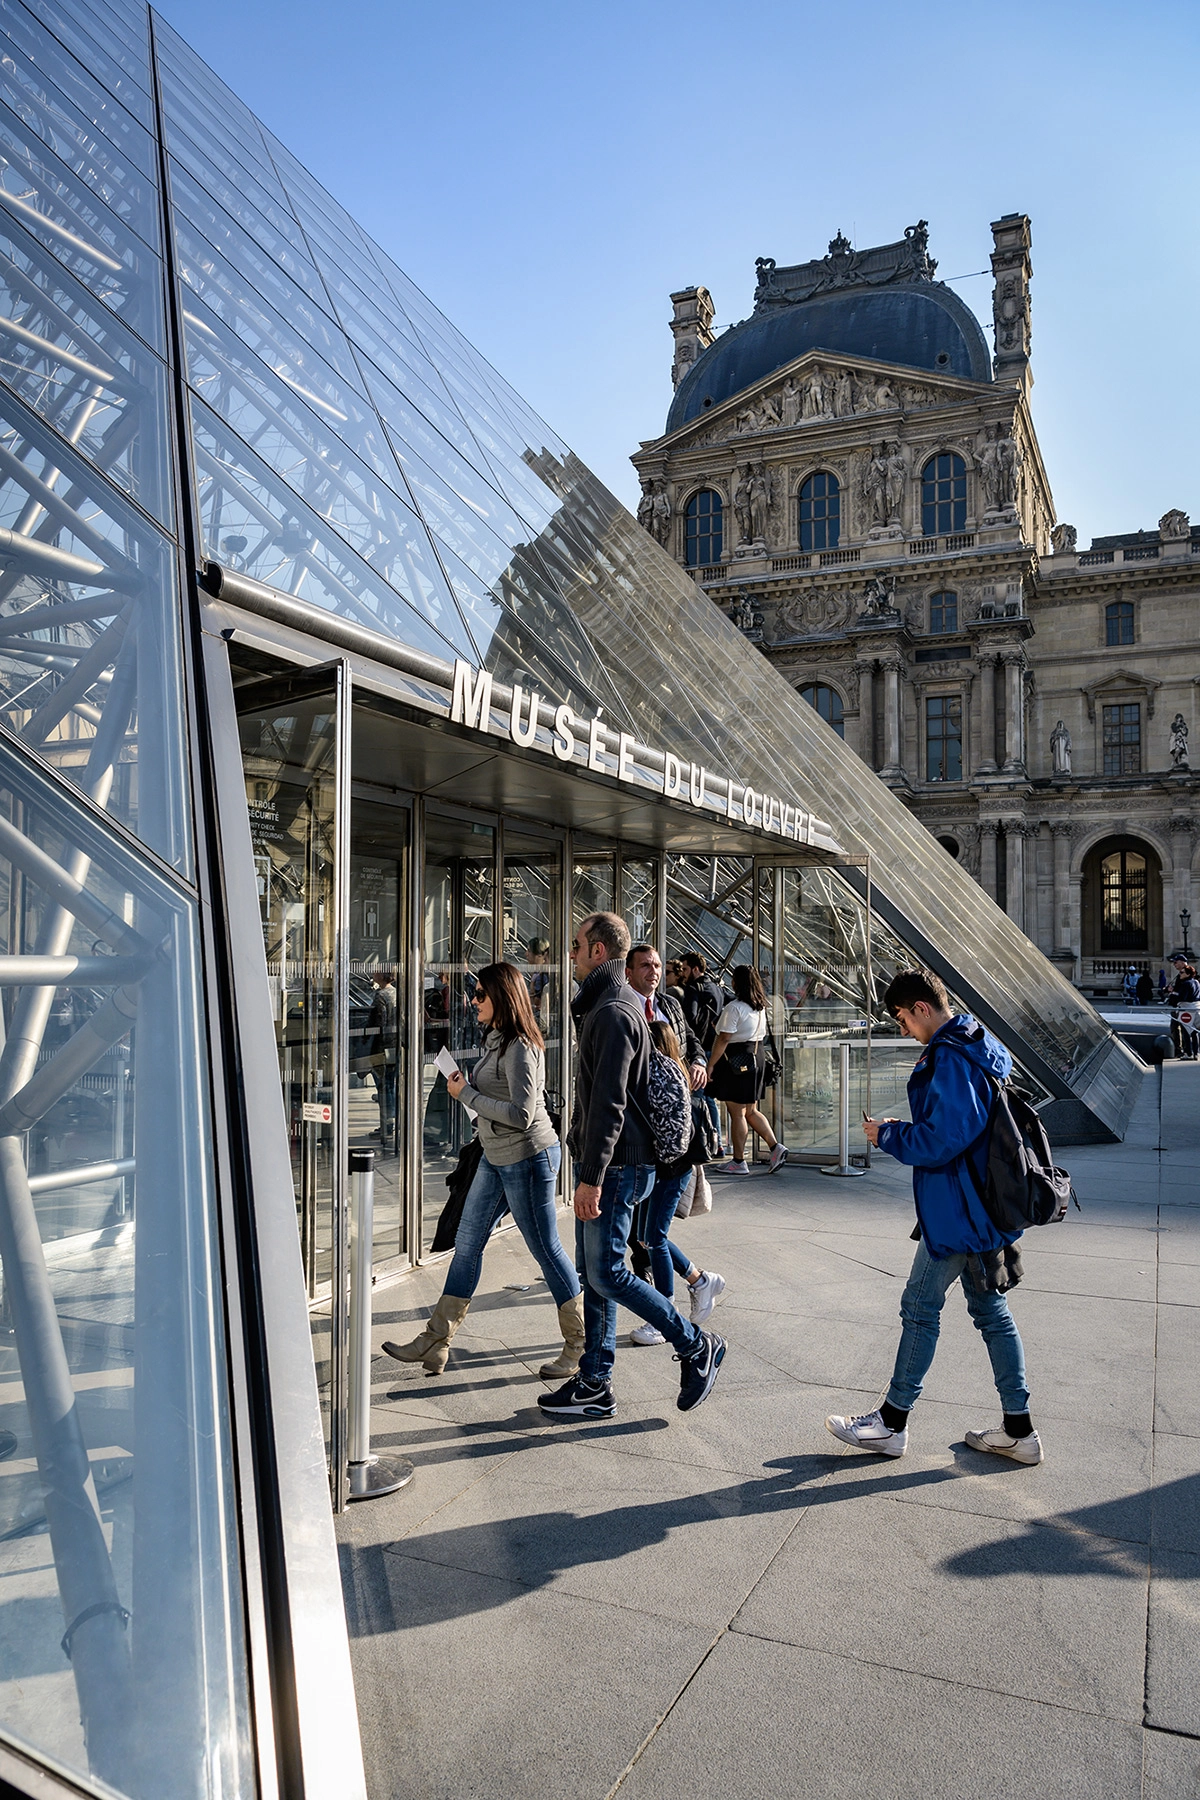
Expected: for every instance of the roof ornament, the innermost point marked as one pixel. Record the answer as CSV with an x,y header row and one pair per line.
x,y
885,265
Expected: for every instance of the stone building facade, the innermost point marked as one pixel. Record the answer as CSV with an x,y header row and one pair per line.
x,y
856,479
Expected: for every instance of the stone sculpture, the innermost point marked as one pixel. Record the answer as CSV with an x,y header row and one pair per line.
x,y
1064,539
761,495
1174,525
1060,749
1179,742
999,461
741,504
660,523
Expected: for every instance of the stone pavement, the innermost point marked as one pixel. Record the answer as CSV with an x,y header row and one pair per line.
x,y
729,1602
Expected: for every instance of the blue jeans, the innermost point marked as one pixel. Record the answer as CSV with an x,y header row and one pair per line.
x,y
600,1246
931,1279
654,1216
527,1188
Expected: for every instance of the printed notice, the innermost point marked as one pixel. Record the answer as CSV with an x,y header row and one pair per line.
x,y
314,1113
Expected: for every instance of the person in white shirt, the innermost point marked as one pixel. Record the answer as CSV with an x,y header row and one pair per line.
x,y
735,1068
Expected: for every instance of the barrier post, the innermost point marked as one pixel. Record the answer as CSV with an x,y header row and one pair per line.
x,y
842,1166
369,1475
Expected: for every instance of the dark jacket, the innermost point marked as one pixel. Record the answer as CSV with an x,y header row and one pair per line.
x,y
693,1050
703,1001
607,1128
950,1099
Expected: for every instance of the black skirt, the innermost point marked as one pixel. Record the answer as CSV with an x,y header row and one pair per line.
x,y
739,1074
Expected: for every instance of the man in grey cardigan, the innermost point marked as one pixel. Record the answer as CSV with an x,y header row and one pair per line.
x,y
614,1167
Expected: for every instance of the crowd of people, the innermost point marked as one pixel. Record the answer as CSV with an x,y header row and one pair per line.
x,y
652,1061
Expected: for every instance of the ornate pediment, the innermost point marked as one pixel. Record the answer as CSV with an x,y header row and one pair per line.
x,y
1120,681
818,389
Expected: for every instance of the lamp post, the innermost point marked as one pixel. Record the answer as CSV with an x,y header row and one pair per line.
x,y
1185,919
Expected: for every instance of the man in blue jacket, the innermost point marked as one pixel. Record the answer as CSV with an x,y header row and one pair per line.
x,y
949,1096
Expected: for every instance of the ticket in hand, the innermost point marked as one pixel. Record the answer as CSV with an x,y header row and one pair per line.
x,y
446,1063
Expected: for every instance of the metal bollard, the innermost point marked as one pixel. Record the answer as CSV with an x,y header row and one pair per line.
x,y
369,1475
842,1166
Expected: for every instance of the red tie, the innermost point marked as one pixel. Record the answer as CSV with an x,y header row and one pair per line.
x,y
649,1010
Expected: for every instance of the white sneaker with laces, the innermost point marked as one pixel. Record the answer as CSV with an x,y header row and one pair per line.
x,y
868,1432
705,1294
779,1156
646,1334
1022,1450
735,1168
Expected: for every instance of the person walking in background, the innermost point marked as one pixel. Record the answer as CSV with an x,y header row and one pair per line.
x,y
1184,997
1145,989
518,1170
703,1002
950,1097
736,1067
1129,985
382,1049
614,1163
652,1223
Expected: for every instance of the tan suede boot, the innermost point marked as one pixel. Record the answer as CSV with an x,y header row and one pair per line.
x,y
432,1346
570,1320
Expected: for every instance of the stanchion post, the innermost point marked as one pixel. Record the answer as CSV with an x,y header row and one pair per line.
x,y
843,1162
369,1475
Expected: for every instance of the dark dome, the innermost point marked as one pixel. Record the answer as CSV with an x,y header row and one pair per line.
x,y
919,326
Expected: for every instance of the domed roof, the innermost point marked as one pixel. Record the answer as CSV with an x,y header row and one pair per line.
x,y
917,323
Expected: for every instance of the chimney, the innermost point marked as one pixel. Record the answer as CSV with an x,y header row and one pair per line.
x,y
692,328
1012,270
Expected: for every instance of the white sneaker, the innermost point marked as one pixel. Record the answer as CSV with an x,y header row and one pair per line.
x,y
1022,1450
705,1294
779,1156
735,1168
646,1334
868,1432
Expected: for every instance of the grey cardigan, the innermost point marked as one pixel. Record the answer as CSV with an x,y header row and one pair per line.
x,y
508,1091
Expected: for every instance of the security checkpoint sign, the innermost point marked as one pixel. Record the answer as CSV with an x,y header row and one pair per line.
x,y
314,1113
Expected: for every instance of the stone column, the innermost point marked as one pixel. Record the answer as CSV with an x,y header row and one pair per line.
x,y
987,857
891,718
1062,832
866,713
1014,899
987,714
1031,831
1181,886
1014,712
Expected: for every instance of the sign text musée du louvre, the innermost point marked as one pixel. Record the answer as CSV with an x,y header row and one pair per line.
x,y
586,741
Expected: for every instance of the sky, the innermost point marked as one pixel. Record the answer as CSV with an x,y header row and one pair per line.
x,y
550,173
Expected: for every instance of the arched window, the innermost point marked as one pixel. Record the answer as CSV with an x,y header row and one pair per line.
x,y
943,612
943,494
825,701
820,513
703,529
1118,622
1123,901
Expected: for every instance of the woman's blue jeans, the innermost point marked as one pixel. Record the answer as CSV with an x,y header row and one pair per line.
x,y
527,1189
651,1226
931,1279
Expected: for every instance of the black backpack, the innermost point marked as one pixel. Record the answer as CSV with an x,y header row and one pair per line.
x,y
1021,1185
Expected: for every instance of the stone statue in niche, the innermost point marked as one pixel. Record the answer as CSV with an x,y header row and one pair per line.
x,y
1179,742
645,510
762,492
1064,538
999,463
1174,525
897,471
875,484
1060,749
741,504
660,524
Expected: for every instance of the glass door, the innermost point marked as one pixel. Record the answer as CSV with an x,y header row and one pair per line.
x,y
377,1039
458,939
533,937
295,740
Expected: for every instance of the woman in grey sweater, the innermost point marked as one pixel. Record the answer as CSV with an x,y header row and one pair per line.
x,y
518,1169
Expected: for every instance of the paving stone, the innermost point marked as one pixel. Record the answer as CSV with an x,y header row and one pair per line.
x,y
1173,1638
1176,1510
765,1722
1171,1767
1176,1393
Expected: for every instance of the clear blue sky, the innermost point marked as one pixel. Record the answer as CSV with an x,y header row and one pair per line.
x,y
548,173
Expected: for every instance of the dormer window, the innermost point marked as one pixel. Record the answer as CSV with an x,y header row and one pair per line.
x,y
820,512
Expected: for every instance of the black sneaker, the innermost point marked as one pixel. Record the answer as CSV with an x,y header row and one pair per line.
x,y
697,1373
580,1399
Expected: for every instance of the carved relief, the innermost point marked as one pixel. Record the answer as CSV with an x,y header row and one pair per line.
x,y
1065,537
817,609
1174,525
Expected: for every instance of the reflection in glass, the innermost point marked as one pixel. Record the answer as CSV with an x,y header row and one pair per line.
x,y
532,928
89,650
110,1297
378,1036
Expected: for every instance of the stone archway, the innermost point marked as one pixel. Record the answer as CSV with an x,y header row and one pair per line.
x,y
1122,907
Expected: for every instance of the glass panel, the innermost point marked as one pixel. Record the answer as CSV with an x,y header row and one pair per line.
x,y
532,928
62,212
457,936
70,359
112,1319
222,176
593,886
378,1037
115,67
638,908
36,60
89,644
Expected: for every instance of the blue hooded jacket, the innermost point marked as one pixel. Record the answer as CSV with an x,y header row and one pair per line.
x,y
950,1098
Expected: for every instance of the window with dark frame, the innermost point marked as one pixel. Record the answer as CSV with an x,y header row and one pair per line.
x,y
820,512
943,612
1118,622
827,702
943,737
1123,909
943,494
704,523
1123,739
